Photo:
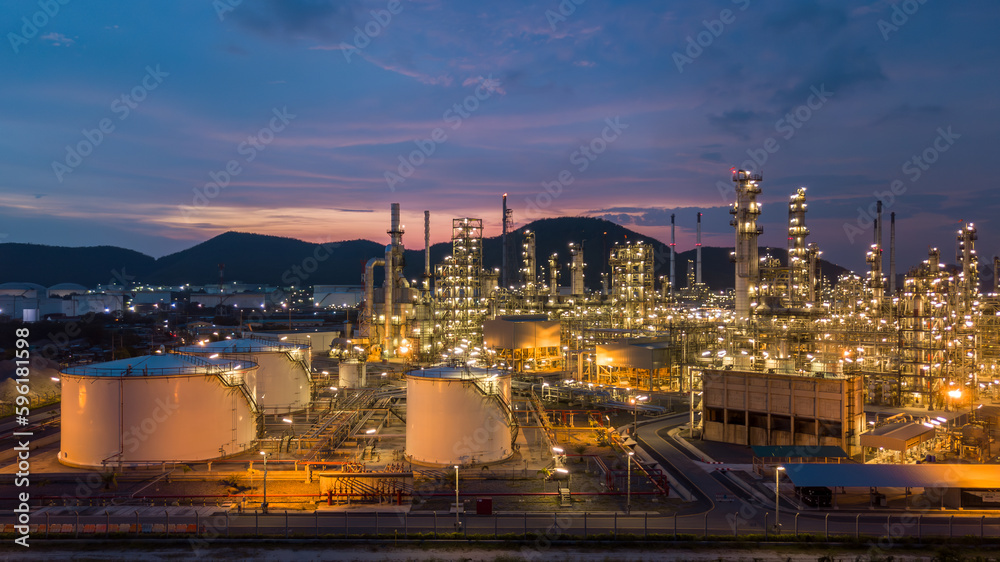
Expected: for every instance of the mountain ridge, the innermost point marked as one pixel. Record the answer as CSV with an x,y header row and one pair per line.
x,y
276,260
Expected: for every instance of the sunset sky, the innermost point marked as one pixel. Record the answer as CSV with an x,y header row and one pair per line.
x,y
311,103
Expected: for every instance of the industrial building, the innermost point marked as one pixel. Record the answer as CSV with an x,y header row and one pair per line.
x,y
524,343
754,408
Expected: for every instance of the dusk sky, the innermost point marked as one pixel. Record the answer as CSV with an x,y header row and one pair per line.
x,y
643,107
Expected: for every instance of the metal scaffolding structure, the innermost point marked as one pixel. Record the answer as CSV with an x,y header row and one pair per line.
x,y
460,303
632,293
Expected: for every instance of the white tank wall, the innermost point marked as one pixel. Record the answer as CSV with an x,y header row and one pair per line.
x,y
450,422
281,385
353,374
164,418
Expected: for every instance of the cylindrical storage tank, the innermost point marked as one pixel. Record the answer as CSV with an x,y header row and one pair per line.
x,y
973,434
156,408
458,416
283,380
352,373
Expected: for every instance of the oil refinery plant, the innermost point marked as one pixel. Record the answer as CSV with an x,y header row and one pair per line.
x,y
497,372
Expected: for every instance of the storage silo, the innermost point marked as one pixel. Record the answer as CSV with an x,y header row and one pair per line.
x,y
352,373
283,379
156,408
458,416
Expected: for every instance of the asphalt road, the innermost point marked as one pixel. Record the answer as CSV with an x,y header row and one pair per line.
x,y
222,524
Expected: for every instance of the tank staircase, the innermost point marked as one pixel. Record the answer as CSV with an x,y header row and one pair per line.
x,y
229,378
564,498
301,363
490,388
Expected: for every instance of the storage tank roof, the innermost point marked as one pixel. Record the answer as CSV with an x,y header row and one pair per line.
x,y
159,365
447,372
15,286
68,287
244,345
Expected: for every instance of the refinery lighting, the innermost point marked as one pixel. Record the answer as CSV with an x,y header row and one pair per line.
x,y
928,343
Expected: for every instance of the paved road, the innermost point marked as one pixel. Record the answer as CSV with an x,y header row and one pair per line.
x,y
220,524
747,514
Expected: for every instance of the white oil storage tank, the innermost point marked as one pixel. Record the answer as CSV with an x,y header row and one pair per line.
x,y
458,416
155,409
352,373
285,374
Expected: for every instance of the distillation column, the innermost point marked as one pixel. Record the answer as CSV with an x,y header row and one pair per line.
x,y
632,283
876,282
969,262
892,254
508,231
393,277
798,250
745,212
427,252
554,275
529,269
576,270
697,254
673,244
458,286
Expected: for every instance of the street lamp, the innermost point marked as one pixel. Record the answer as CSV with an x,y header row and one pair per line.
x,y
458,523
263,505
628,493
777,473
955,395
559,452
635,413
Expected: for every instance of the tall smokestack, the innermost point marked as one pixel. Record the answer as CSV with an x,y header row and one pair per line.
x,y
697,246
878,233
393,257
427,250
504,281
673,280
892,253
